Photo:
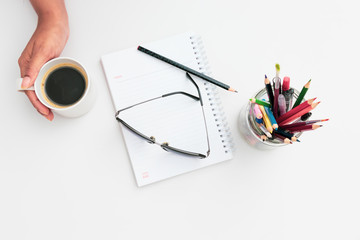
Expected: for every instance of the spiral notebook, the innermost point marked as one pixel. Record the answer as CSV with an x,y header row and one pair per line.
x,y
135,77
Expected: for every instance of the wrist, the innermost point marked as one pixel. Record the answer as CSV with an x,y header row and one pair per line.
x,y
51,12
53,17
54,20
45,9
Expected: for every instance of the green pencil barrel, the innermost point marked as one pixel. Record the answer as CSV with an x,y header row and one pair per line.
x,y
301,96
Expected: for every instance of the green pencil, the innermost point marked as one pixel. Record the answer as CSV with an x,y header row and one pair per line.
x,y
302,93
260,102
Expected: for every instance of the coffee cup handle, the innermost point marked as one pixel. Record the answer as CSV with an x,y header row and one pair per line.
x,y
18,86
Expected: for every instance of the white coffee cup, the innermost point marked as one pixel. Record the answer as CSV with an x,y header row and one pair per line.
x,y
75,109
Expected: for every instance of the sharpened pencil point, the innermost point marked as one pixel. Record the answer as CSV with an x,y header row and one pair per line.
x,y
265,76
307,85
232,90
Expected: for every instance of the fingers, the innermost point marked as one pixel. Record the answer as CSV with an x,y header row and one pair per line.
x,y
30,62
50,116
41,108
36,103
30,67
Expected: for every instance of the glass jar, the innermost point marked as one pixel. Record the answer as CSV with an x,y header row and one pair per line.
x,y
249,128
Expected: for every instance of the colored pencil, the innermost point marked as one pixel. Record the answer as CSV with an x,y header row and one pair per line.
x,y
263,138
299,124
264,130
266,119
299,114
289,135
269,90
305,128
257,111
260,102
302,94
295,110
259,120
285,139
271,117
186,69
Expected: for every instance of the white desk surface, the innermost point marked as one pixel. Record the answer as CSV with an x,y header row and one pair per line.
x,y
72,179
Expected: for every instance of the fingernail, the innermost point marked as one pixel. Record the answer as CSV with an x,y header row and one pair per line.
x,y
43,111
49,115
50,118
25,83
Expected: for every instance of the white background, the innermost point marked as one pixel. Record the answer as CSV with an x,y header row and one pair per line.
x,y
72,179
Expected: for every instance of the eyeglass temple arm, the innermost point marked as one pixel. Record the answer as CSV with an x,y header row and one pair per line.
x,y
197,87
165,95
201,102
184,93
149,139
187,94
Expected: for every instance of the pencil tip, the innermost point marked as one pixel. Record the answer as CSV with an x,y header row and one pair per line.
x,y
232,90
265,76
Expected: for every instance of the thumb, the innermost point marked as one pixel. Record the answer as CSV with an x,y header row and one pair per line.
x,y
31,68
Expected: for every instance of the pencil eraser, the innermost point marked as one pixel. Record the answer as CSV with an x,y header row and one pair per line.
x,y
286,84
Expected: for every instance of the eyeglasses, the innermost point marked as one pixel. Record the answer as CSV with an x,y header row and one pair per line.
x,y
165,145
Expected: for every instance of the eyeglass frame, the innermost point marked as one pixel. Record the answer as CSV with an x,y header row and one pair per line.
x,y
166,145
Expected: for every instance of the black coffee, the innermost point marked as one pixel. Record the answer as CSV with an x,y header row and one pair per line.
x,y
65,86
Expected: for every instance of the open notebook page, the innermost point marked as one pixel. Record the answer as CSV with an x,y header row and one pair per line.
x,y
134,77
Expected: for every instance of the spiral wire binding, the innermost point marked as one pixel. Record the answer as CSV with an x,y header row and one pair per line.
x,y
213,95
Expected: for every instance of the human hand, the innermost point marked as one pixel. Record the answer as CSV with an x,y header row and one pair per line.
x,y
46,43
